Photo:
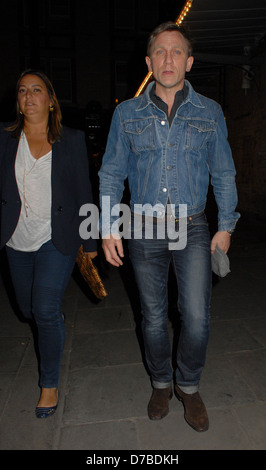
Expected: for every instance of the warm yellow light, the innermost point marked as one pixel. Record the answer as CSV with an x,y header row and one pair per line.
x,y
184,11
179,20
144,83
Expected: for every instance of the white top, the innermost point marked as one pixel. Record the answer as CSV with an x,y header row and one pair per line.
x,y
34,185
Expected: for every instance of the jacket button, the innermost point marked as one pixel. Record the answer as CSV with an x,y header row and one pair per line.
x,y
60,208
3,202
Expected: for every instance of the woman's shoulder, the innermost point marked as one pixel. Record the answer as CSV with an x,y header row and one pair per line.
x,y
4,130
71,132
4,125
71,137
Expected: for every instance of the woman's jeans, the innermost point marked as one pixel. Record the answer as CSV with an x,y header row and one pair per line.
x,y
40,279
192,264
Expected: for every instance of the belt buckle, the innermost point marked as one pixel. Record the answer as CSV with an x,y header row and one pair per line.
x,y
173,218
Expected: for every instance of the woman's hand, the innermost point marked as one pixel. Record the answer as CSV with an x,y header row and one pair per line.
x,y
91,254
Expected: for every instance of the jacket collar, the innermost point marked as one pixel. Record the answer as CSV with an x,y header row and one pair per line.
x,y
192,97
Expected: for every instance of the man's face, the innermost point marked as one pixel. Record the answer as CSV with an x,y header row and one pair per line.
x,y
169,60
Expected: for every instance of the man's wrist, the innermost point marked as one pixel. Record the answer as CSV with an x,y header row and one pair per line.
x,y
230,231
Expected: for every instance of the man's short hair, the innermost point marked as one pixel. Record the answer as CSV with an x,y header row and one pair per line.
x,y
169,26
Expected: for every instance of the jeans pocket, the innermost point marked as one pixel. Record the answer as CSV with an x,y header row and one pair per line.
x,y
198,219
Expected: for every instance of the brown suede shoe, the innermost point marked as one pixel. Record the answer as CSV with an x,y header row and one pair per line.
x,y
158,405
195,411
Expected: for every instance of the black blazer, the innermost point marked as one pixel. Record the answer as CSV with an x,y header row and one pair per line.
x,y
71,189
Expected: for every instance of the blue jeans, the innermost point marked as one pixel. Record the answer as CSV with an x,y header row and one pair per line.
x,y
40,279
192,265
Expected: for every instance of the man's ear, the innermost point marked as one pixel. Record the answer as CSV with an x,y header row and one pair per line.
x,y
190,61
148,62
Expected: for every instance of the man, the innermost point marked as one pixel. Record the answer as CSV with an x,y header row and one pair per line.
x,y
167,142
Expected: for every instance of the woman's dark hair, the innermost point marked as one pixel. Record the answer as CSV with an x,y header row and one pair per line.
x,y
169,26
55,116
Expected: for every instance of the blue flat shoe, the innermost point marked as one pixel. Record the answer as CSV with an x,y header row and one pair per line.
x,y
45,412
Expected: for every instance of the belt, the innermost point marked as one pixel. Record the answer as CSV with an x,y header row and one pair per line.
x,y
165,219
156,220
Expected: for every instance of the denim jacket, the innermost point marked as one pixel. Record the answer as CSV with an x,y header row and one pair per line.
x,y
173,164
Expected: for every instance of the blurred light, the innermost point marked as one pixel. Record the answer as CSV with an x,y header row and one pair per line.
x,y
184,12
144,83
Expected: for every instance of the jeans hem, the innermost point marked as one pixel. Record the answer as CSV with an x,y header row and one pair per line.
x,y
49,386
189,389
161,385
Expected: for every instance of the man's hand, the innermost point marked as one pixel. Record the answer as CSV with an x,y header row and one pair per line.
x,y
113,249
222,239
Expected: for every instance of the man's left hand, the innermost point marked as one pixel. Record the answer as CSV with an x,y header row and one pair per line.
x,y
222,239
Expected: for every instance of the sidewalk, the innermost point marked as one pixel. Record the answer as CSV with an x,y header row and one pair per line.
x,y
104,388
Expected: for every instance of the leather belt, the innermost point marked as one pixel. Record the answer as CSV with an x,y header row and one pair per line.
x,y
156,220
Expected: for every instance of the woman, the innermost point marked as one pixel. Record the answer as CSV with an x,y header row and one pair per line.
x,y
44,182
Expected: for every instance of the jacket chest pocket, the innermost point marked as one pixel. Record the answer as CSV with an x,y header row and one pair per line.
x,y
198,133
140,134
